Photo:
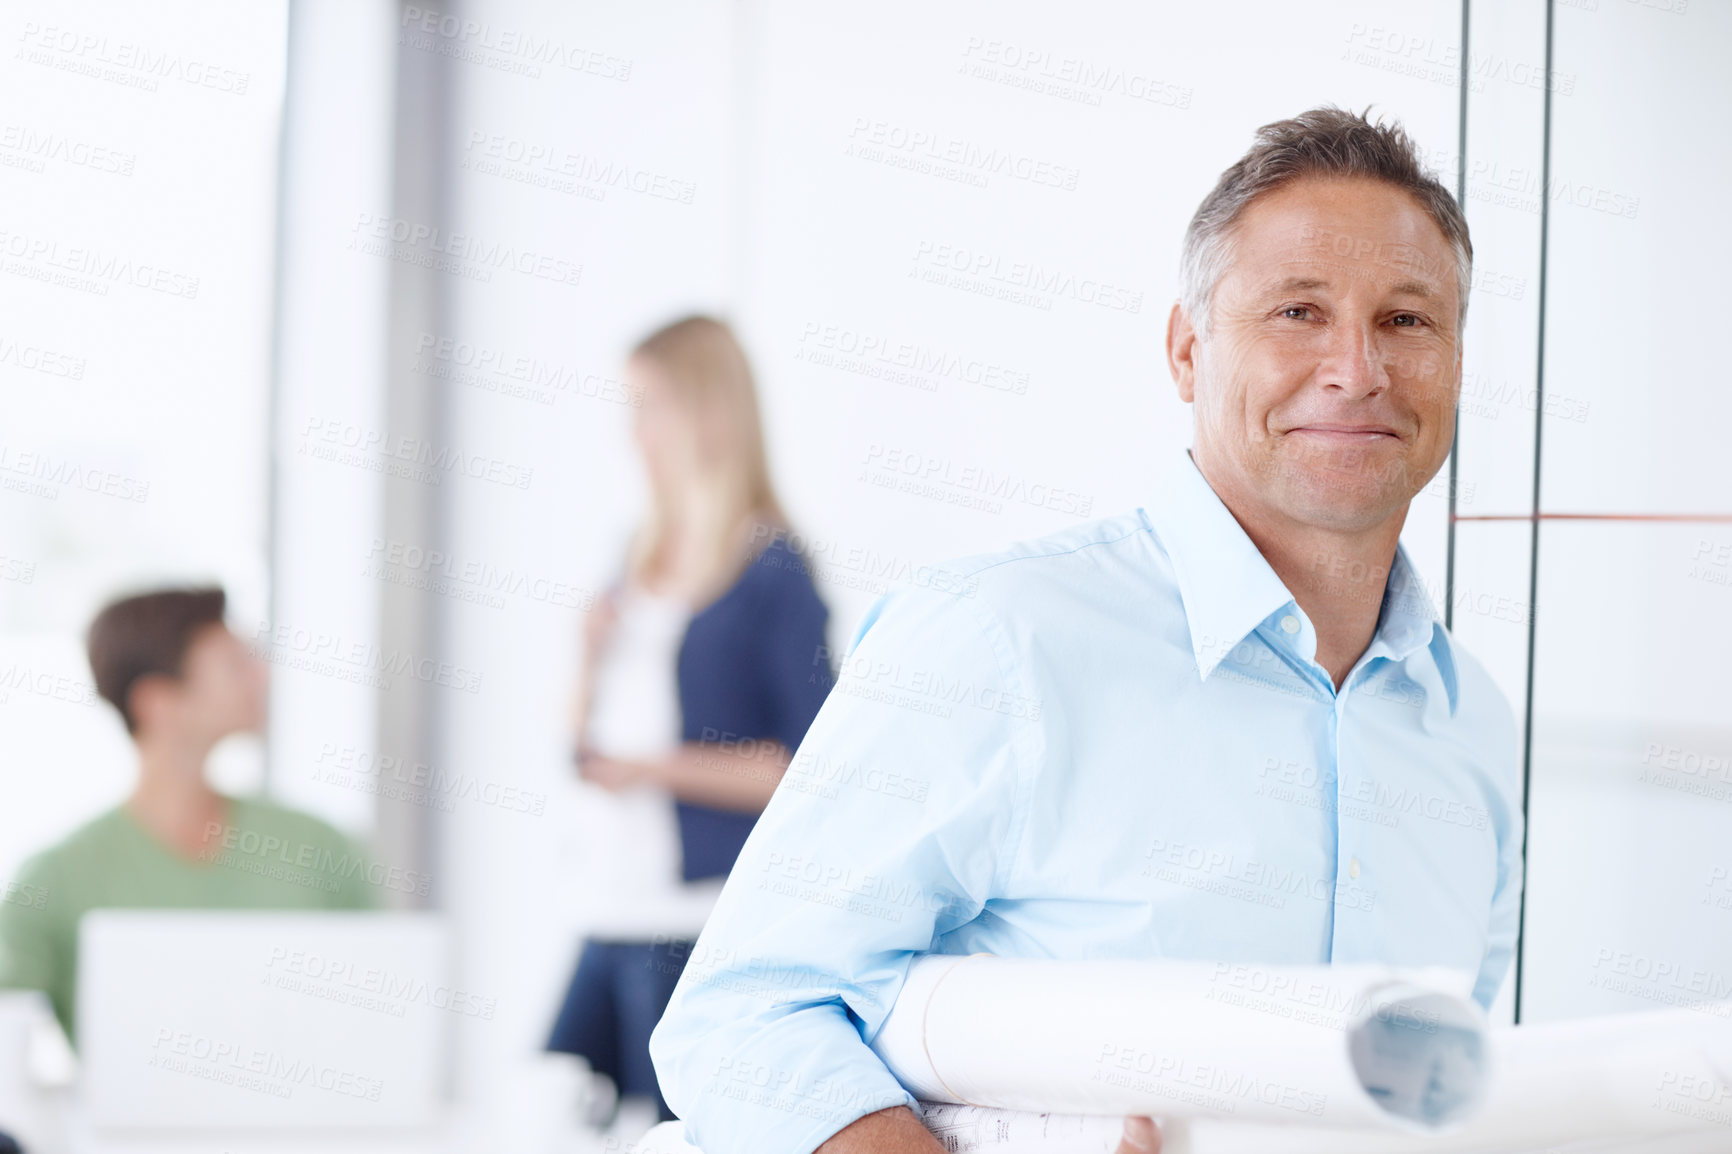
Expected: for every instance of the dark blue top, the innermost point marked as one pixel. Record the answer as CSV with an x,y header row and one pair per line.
x,y
754,664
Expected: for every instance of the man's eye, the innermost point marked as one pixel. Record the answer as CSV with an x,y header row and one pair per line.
x,y
1296,312
1407,320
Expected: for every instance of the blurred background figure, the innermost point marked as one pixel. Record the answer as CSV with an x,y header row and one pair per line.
x,y
182,682
704,664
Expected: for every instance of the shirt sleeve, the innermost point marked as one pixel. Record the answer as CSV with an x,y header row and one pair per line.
x,y
897,822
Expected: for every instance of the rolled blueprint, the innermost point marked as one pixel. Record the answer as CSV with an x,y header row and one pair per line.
x,y
963,1130
979,1130
1345,1047
1622,1082
1653,1083
1025,1044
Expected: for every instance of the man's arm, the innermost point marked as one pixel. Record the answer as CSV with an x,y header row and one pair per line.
x,y
892,1131
897,820
898,1131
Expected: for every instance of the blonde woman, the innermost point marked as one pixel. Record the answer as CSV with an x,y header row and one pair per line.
x,y
704,665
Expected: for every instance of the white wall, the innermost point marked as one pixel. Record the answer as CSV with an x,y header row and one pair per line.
x,y
138,157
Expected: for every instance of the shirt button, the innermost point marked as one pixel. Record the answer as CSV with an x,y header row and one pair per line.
x,y
1290,623
1353,868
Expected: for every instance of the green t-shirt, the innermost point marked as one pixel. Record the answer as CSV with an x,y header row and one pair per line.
x,y
266,857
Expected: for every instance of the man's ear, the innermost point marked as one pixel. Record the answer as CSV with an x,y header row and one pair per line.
x,y
147,698
1182,352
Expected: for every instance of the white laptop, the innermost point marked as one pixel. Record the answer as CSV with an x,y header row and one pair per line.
x,y
222,1019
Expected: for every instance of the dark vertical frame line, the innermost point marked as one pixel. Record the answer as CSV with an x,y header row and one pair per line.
x,y
1455,436
1534,532
411,722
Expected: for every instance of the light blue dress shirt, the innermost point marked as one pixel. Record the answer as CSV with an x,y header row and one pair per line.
x,y
1108,742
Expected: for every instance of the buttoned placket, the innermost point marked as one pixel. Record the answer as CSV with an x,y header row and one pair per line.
x,y
1293,628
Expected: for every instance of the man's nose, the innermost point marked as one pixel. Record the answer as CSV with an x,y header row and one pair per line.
x,y
1354,361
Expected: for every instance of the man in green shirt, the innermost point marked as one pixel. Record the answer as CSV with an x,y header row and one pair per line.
x,y
182,682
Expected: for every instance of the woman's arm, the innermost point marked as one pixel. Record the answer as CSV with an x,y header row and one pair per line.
x,y
597,625
792,676
732,775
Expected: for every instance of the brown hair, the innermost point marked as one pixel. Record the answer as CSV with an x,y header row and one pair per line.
x,y
1325,142
146,634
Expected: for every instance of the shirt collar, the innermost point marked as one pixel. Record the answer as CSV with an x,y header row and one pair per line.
x,y
1228,588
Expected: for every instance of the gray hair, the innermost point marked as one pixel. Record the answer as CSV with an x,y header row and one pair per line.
x,y
1324,142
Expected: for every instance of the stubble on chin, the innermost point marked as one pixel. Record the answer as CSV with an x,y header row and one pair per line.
x,y
1345,488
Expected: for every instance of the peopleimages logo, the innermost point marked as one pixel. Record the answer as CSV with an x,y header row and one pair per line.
x,y
876,355
425,244
482,576
1067,77
251,1068
320,651
37,148
37,359
41,683
320,862
474,40
551,166
884,141
947,479
369,987
42,474
344,443
448,356
1025,281
135,65
434,783
44,259
867,562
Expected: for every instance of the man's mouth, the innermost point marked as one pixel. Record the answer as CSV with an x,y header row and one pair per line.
x,y
1348,434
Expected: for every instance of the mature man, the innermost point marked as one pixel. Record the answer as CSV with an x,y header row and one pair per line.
x,y
1227,726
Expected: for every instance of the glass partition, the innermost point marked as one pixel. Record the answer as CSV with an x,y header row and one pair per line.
x,y
1629,901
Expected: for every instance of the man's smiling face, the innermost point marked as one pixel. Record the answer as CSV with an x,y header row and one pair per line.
x,y
1326,386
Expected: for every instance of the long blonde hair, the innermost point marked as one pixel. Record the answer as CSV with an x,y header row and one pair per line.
x,y
733,508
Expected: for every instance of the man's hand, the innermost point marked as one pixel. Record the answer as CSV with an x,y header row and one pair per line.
x,y
898,1131
1141,1136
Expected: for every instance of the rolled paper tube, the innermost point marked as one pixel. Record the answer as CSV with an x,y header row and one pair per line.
x,y
1622,1083
967,1129
1349,1047
1650,1083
